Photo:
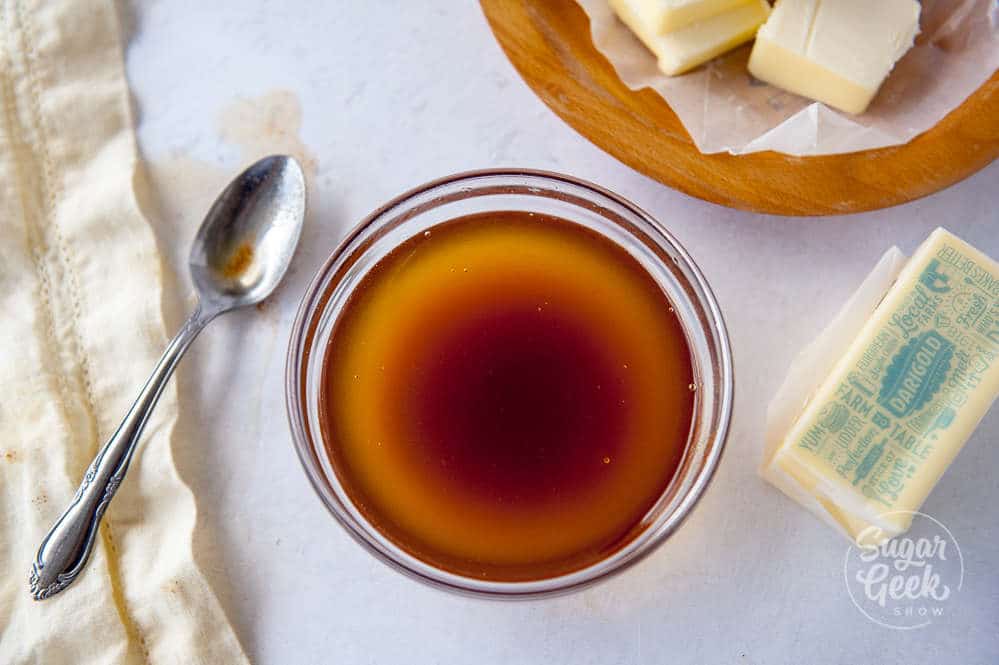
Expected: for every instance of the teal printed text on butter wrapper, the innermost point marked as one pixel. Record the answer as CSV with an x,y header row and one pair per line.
x,y
872,456
912,379
916,373
834,417
933,279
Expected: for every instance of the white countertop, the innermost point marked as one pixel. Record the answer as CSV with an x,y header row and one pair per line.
x,y
392,95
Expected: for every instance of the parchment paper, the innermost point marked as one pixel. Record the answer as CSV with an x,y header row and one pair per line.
x,y
726,110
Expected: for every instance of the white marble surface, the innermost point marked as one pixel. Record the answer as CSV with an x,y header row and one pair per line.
x,y
393,94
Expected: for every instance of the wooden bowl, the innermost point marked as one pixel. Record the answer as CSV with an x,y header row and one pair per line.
x,y
548,41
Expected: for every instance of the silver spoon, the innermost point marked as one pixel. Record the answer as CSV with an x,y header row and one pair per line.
x,y
239,255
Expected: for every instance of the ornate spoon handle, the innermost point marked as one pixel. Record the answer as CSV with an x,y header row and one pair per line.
x,y
67,547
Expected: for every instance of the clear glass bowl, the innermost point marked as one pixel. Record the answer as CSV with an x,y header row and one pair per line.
x,y
530,191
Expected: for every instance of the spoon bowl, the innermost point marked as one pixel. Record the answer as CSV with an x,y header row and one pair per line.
x,y
249,235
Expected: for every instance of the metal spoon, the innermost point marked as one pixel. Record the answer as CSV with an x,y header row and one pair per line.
x,y
239,255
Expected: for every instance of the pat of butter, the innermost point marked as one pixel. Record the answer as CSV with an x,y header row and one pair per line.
x,y
662,16
834,51
908,391
695,44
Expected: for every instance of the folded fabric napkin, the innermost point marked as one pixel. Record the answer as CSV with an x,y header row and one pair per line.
x,y
80,329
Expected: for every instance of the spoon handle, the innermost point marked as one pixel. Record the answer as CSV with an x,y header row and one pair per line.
x,y
67,547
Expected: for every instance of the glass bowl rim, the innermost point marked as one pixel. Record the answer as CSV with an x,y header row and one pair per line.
x,y
309,311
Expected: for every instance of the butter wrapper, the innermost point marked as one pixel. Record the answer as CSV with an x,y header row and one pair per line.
x,y
876,409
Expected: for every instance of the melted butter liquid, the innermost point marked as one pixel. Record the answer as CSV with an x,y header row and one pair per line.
x,y
507,396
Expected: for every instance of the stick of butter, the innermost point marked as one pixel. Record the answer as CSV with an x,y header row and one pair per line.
x,y
834,51
897,406
662,16
695,44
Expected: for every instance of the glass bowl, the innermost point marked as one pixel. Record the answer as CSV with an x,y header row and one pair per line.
x,y
530,191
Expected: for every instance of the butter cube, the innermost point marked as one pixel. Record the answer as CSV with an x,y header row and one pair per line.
x,y
662,16
897,407
834,51
695,44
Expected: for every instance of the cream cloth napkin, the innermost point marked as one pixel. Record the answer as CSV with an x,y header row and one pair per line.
x,y
80,329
